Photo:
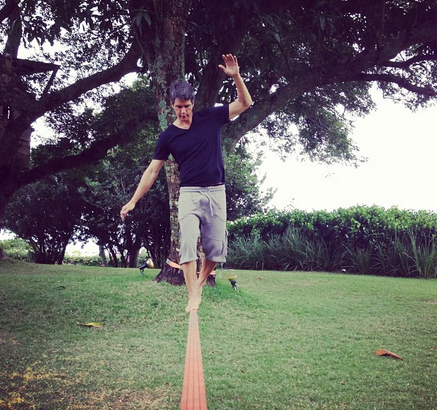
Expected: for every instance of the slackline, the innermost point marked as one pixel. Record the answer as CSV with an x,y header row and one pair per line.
x,y
193,389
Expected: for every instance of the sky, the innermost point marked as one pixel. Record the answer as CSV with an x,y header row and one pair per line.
x,y
401,150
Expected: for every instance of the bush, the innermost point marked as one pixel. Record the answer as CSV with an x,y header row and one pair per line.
x,y
17,249
83,260
367,240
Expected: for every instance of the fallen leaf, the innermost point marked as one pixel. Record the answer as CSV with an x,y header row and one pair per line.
x,y
382,352
91,324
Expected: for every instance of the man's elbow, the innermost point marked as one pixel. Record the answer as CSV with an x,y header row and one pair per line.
x,y
239,106
246,103
153,174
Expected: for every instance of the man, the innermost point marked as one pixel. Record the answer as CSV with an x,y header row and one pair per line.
x,y
194,140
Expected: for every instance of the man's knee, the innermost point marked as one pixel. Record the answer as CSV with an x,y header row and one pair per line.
x,y
215,250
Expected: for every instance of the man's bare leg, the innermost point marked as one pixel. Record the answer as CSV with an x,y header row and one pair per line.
x,y
207,267
190,274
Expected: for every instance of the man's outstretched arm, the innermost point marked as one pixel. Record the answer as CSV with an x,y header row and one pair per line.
x,y
244,100
147,180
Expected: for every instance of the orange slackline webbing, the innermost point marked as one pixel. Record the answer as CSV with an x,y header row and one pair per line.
x,y
193,389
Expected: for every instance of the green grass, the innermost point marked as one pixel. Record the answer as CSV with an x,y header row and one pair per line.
x,y
284,341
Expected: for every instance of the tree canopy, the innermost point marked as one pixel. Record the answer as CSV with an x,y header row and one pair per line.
x,y
307,63
47,215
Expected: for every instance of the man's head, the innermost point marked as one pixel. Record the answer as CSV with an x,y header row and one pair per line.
x,y
182,101
182,90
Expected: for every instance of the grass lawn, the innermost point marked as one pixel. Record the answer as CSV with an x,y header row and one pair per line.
x,y
283,341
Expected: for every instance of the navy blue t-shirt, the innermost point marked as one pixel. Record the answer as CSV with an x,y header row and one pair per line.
x,y
196,150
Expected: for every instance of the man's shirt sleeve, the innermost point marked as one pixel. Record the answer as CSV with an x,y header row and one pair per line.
x,y
161,151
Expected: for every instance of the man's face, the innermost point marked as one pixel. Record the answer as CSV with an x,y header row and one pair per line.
x,y
183,110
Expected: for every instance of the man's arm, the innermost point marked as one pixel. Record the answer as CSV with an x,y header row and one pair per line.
x,y
147,180
244,100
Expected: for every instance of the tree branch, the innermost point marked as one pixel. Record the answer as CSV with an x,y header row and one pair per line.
x,y
96,152
408,63
402,82
353,70
251,118
9,8
55,99
26,67
51,101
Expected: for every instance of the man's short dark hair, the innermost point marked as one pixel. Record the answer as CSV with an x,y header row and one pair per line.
x,y
182,90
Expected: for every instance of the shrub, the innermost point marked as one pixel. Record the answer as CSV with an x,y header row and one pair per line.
x,y
366,240
83,260
17,249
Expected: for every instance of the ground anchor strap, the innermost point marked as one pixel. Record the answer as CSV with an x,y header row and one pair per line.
x,y
193,389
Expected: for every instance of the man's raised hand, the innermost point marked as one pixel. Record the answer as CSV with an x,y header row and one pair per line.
x,y
231,69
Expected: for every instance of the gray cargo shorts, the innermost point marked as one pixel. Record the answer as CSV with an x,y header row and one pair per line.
x,y
202,212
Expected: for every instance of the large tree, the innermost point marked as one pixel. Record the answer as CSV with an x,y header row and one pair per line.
x,y
307,63
47,215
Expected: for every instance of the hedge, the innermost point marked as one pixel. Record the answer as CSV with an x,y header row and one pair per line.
x,y
360,239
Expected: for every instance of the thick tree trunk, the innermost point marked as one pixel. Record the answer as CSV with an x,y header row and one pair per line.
x,y
113,257
133,257
2,255
5,196
102,255
168,274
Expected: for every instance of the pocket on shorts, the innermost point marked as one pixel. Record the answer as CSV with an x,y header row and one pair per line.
x,y
186,204
219,205
215,250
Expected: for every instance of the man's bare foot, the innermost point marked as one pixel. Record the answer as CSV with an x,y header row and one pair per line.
x,y
193,303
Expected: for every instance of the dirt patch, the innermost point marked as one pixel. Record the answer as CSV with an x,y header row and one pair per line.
x,y
160,398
